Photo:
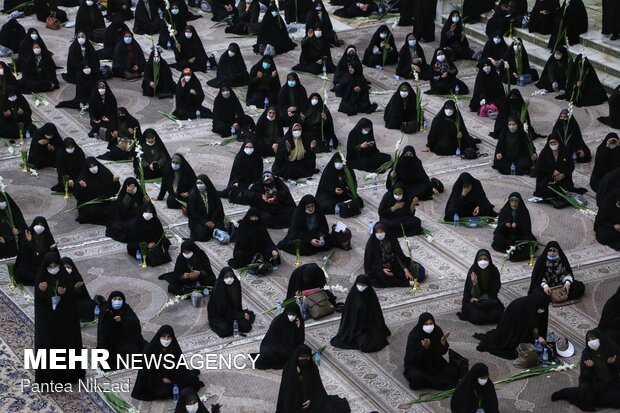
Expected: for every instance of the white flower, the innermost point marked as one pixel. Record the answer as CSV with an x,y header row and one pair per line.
x,y
525,127
11,149
416,76
2,185
587,211
370,176
34,172
37,103
570,109
342,157
336,288
429,238
167,3
179,124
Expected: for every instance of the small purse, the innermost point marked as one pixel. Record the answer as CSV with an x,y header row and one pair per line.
x,y
349,208
459,362
318,304
52,22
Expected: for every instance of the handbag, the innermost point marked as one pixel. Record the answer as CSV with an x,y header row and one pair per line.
x,y
558,294
52,22
459,362
342,239
127,75
318,304
526,356
349,209
409,127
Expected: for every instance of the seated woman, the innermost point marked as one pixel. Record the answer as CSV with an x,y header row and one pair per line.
x,y
301,380
606,159
85,86
524,320
86,305
355,92
512,105
190,402
475,392
247,168
553,77
425,366
273,32
401,111
128,60
164,88
488,89
95,182
610,318
381,51
443,78
36,242
481,304
269,132
397,212
494,49
567,129
286,333
190,52
607,222
39,72
228,115
334,189
445,138
318,17
412,177
129,201
12,226
121,136
157,383
362,152
226,307
357,8
514,153
292,100
44,145
472,9
16,119
171,18
308,232
552,270
411,59
272,198
102,108
25,51
223,10
231,69
386,264
468,199
503,18
46,8
583,87
362,326
513,227
318,124
119,330
192,271
119,9
154,155
114,34
315,57
70,161
253,243
306,277
147,20
80,50
189,97
178,180
205,212
245,20
613,120
349,56
599,375
7,79
555,170
517,63
264,85
295,158
147,235
543,15
453,38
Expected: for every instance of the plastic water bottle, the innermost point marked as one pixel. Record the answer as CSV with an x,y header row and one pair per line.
x,y
574,156
97,311
371,226
324,69
278,306
235,329
138,256
205,292
538,346
513,169
175,393
331,144
27,134
169,45
456,219
545,357
233,132
198,114
457,89
316,357
81,105
208,65
266,102
552,338
458,151
337,209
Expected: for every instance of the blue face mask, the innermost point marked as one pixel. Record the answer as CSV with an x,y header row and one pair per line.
x,y
412,43
274,13
456,19
266,65
127,39
557,56
174,11
365,132
175,166
291,83
553,258
117,304
497,40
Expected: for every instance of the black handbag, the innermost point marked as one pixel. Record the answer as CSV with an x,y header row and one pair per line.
x,y
409,127
341,239
459,362
349,208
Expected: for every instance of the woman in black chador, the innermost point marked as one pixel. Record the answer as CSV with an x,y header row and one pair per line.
x,y
318,17
401,111
512,153
10,232
599,375
154,155
7,79
225,306
611,25
190,52
264,85
119,330
43,147
552,269
192,271
165,87
15,111
412,177
543,15
362,152
147,20
190,402
517,63
178,179
342,68
120,137
128,60
113,35
223,10
444,138
381,50
386,264
245,20
480,302
119,9
102,108
453,39
468,199
253,242
307,277
488,88
420,14
301,388
247,168
443,78
272,198
11,32
553,77
177,21
355,92
425,366
292,100
333,188
231,69
362,326
269,132
524,320
472,9
411,59
554,169
315,55
613,120
148,230
36,242
85,86
156,384
296,157
46,8
495,48
296,11
514,226
273,32
25,47
39,71
570,21
86,305
285,334
354,8
189,97
607,222
610,317
318,124
475,392
583,87
70,161
511,106
606,159
81,50
397,212
128,207
228,115
95,182
567,129
56,318
205,212
308,232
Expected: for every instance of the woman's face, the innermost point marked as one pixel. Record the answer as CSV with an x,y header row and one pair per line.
x,y
552,252
166,336
271,113
514,203
429,322
310,209
351,70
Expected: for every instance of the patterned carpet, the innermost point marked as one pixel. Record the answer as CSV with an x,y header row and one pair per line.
x,y
369,381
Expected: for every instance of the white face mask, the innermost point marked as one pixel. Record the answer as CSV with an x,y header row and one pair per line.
x,y
231,53
361,288
69,270
150,143
226,94
147,216
448,112
482,382
86,70
2,205
187,78
34,36
540,310
428,328
441,57
271,117
36,51
383,35
188,35
318,34
314,102
229,280
81,40
89,2
39,229
296,134
594,344
338,165
12,98
101,91
486,69
497,40
365,131
483,264
380,236
93,170
201,187
248,151
165,343
513,128
398,197
188,255
54,270
515,48
404,94
554,147
70,150
192,408
291,317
